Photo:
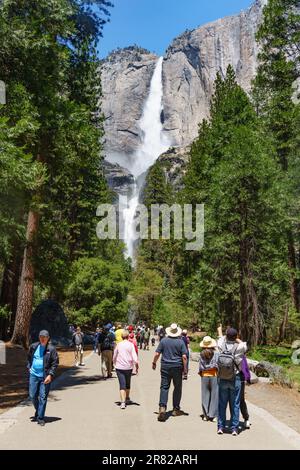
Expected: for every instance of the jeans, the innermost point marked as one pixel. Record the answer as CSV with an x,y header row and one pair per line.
x,y
167,375
243,404
230,393
38,393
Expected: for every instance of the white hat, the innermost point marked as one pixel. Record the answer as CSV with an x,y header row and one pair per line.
x,y
208,342
173,331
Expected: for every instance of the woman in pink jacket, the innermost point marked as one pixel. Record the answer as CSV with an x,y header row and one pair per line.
x,y
125,358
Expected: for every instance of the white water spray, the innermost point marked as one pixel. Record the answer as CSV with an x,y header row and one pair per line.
x,y
153,144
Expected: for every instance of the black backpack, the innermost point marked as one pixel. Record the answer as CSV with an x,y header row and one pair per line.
x,y
107,343
226,363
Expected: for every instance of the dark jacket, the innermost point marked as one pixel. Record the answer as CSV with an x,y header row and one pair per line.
x,y
51,360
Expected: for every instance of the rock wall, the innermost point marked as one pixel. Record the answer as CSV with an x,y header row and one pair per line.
x,y
190,66
192,62
125,78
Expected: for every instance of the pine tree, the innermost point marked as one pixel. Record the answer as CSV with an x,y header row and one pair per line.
x,y
279,61
55,42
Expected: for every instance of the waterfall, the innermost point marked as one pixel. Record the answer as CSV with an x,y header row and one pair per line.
x,y
153,144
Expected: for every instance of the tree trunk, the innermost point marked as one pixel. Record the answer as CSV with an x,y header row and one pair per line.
x,y
292,266
257,329
244,306
9,292
25,296
283,326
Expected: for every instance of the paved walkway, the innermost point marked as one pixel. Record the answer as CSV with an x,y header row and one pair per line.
x,y
83,414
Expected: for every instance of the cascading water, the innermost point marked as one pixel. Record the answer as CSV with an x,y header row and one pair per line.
x,y
153,144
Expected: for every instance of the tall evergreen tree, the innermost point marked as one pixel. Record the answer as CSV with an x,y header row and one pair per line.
x,y
45,48
279,67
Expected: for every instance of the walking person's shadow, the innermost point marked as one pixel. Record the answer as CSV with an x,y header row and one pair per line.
x,y
132,403
169,414
52,419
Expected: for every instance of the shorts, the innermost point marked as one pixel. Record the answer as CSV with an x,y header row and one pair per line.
x,y
124,377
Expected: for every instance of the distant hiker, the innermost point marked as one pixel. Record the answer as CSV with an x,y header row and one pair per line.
x,y
96,341
161,333
42,364
153,341
125,358
186,341
146,338
132,340
106,343
231,352
78,343
173,368
118,333
141,337
208,371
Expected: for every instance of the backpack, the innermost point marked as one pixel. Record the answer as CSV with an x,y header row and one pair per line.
x,y
226,363
107,343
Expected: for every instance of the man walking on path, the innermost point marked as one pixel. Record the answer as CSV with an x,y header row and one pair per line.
x,y
231,353
96,341
78,343
146,339
106,342
173,368
42,364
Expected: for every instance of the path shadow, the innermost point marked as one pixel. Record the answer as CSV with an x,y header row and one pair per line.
x,y
133,403
169,415
227,429
52,419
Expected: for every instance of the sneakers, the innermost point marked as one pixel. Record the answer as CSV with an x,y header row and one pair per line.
x,y
220,431
123,406
162,414
177,412
41,422
213,420
247,424
234,432
128,401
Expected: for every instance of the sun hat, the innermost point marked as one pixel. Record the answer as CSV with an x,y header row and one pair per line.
x,y
208,342
174,331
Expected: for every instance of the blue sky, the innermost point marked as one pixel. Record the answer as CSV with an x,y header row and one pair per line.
x,y
153,24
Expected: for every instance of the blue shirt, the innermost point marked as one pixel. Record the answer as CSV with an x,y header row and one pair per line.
x,y
37,367
172,350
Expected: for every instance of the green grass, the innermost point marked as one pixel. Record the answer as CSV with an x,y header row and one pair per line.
x,y
279,355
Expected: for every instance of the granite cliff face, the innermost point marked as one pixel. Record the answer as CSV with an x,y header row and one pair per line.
x,y
192,62
125,80
189,70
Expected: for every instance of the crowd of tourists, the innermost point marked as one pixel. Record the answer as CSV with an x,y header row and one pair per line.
x,y
223,368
